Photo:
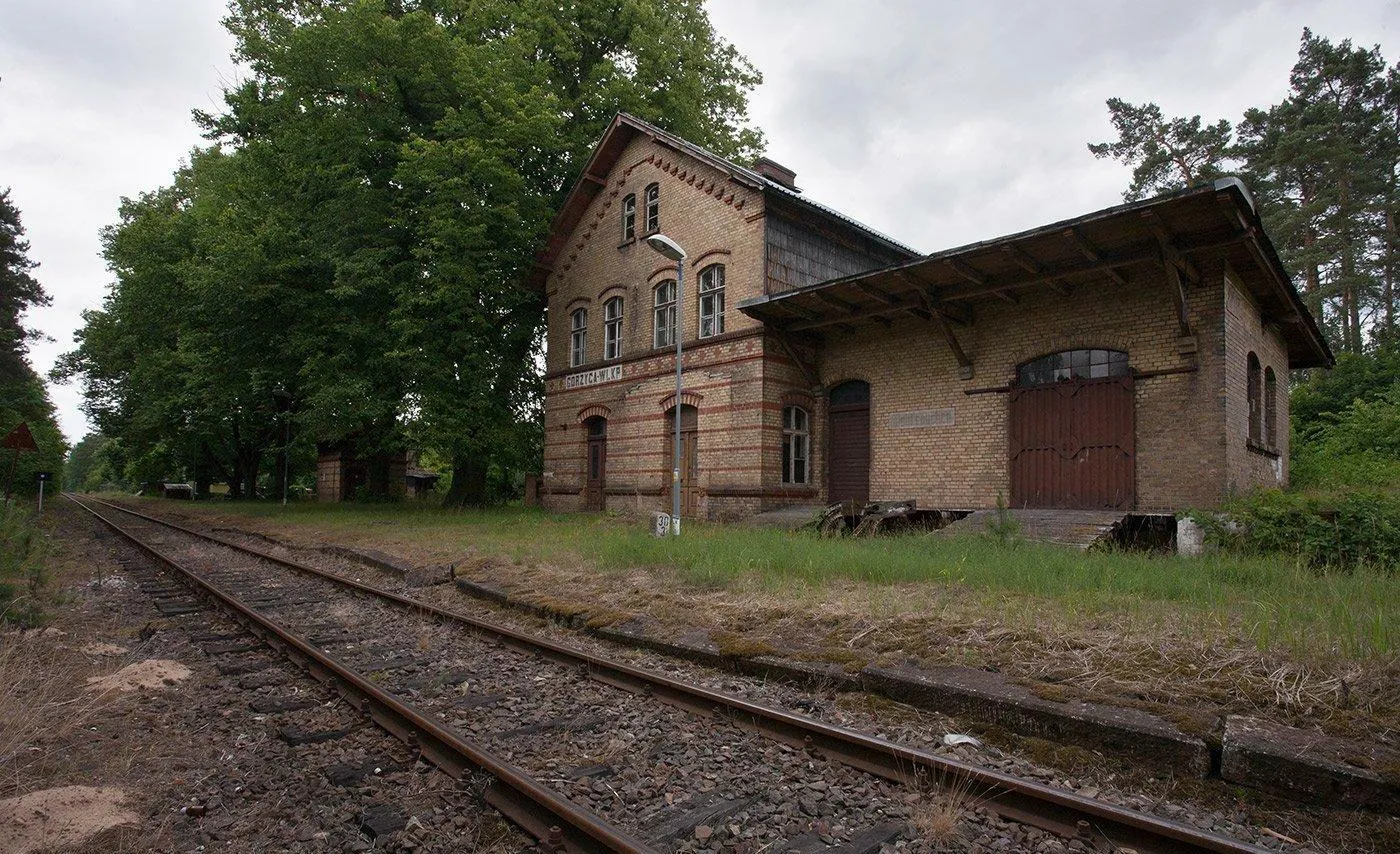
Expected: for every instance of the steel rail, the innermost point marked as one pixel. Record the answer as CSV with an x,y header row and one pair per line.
x,y
559,824
1064,813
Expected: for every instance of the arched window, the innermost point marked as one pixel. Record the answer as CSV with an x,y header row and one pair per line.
x,y
664,314
652,195
712,300
629,216
1256,401
1073,365
1270,409
797,443
578,336
612,328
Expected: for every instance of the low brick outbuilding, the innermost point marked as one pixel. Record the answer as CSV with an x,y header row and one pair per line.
x,y
1130,359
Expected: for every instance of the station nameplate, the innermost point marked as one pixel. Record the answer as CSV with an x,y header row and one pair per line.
x,y
593,377
916,418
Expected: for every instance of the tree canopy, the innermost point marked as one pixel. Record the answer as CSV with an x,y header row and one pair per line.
x,y
23,398
1323,165
342,263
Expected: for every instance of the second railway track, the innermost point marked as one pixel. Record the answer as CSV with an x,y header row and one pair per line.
x,y
589,754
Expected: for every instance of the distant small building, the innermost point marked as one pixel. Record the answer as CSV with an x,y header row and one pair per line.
x,y
1131,358
341,474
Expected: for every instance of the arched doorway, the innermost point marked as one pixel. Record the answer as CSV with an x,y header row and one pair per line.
x,y
690,469
596,476
1071,431
848,463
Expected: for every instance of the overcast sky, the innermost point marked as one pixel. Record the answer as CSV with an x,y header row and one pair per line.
x,y
939,123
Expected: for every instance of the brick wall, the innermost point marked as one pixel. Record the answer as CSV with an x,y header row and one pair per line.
x,y
1250,465
1180,458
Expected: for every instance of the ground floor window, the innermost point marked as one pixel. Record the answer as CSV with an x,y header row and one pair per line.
x,y
797,442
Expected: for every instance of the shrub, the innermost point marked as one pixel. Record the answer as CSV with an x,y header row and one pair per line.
x,y
22,548
1336,530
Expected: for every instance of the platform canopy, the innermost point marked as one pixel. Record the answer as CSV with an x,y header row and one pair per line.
x,y
1173,233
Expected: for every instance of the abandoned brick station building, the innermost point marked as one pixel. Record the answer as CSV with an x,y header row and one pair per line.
x,y
1132,358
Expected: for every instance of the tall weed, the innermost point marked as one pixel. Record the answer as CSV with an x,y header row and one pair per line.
x,y
22,551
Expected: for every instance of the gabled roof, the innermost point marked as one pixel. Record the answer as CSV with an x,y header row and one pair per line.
x,y
623,130
1215,220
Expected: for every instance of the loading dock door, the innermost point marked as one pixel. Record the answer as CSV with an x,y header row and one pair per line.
x,y
848,463
1071,444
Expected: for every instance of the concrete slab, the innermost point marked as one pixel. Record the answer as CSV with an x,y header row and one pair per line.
x,y
1310,765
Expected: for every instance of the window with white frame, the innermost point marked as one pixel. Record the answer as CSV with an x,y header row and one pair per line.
x,y
612,328
797,442
712,300
652,196
629,217
664,314
578,336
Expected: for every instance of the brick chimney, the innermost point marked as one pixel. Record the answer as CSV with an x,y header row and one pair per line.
x,y
775,171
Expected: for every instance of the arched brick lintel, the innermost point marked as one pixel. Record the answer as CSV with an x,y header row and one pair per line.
x,y
596,409
688,398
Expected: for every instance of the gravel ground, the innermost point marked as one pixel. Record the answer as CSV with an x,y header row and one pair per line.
x,y
609,750
208,763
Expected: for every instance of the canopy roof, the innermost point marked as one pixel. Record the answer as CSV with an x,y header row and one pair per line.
x,y
1177,230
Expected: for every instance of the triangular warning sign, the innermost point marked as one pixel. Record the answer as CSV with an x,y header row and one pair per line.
x,y
20,439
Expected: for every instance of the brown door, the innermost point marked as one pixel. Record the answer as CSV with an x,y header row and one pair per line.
x,y
848,463
1071,444
596,463
690,469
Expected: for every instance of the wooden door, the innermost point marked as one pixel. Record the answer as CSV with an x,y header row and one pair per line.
x,y
1071,444
690,467
848,460
596,464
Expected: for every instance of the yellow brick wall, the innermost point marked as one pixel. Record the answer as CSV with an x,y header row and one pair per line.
x,y
1247,468
1179,456
712,218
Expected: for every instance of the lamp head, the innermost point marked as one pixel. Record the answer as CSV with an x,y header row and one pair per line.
x,y
666,246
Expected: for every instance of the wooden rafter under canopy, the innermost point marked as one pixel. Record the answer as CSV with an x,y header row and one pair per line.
x,y
1170,234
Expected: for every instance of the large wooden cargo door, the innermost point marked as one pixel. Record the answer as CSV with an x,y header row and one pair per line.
x,y
690,468
1071,444
597,464
848,460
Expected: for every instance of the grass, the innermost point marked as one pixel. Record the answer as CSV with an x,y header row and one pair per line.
x,y
1275,603
23,548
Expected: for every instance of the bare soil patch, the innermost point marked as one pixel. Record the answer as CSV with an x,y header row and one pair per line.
x,y
151,674
61,817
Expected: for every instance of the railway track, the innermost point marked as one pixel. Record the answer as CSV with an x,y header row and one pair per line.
x,y
588,754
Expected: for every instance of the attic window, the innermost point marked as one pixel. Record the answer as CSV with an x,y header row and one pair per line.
x,y
653,207
629,217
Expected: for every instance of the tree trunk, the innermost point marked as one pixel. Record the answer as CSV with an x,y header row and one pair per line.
x,y
468,482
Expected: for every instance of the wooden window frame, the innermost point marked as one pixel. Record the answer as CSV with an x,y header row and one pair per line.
x,y
578,336
651,201
663,314
797,445
612,328
710,301
629,217
1270,408
1254,398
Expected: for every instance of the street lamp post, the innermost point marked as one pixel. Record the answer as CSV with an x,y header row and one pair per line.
x,y
672,250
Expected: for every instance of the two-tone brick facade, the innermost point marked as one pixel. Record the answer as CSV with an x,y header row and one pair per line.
x,y
1105,361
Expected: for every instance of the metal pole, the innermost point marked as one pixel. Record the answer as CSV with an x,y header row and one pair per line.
x,y
41,497
676,411
285,455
